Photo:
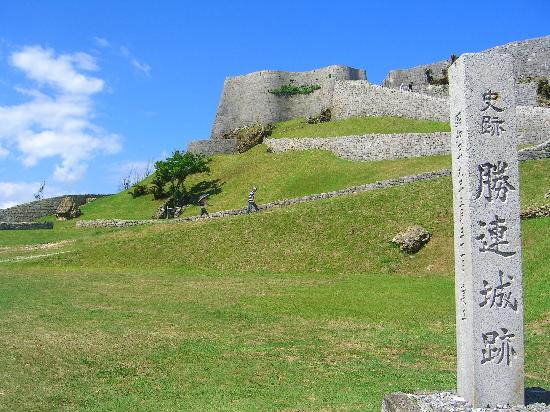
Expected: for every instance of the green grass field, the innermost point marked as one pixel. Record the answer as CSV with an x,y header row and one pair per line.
x,y
277,175
309,307
357,126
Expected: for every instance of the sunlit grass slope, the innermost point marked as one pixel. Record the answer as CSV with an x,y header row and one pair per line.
x,y
277,175
304,308
357,126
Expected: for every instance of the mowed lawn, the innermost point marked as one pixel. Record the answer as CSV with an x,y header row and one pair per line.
x,y
299,128
304,308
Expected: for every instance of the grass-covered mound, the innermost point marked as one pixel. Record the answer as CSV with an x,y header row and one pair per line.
x,y
277,175
304,308
357,126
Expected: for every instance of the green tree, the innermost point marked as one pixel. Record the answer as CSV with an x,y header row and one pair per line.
x,y
174,170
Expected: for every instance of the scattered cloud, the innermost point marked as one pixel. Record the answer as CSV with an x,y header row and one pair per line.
x,y
14,193
144,67
126,53
60,72
141,66
56,121
102,42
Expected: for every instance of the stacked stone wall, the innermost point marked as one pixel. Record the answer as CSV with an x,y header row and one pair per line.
x,y
533,124
33,210
370,147
360,98
391,146
213,146
25,225
531,59
246,99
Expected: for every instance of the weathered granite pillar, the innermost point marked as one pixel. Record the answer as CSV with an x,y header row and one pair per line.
x,y
489,293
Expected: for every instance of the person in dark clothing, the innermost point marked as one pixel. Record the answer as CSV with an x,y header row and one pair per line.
x,y
251,201
202,204
410,86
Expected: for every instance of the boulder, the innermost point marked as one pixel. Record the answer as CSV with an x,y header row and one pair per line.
x,y
534,212
67,209
412,239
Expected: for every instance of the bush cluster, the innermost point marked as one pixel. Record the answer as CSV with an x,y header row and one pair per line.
x,y
249,136
291,90
437,82
543,89
138,190
322,117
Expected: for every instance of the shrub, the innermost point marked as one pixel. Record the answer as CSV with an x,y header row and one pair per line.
x,y
543,89
437,82
322,117
291,90
138,190
174,170
249,136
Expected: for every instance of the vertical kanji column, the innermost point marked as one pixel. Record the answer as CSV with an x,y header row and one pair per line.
x,y
488,273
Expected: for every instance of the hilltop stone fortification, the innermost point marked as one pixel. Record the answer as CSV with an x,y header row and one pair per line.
x,y
531,60
247,99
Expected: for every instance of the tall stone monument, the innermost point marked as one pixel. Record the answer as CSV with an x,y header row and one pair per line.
x,y
489,293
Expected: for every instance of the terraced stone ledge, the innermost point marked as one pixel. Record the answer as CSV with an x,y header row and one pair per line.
x,y
383,184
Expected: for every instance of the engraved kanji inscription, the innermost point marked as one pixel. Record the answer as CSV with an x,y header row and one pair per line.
x,y
492,125
493,237
493,181
498,347
499,295
489,98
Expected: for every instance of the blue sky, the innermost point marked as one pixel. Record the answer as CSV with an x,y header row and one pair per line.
x,y
89,89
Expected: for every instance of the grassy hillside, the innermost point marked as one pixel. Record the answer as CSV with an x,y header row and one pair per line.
x,y
304,308
277,176
357,126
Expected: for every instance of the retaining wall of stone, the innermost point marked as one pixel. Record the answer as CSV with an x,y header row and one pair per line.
x,y
25,225
383,184
372,146
360,98
533,124
531,59
246,99
27,212
213,146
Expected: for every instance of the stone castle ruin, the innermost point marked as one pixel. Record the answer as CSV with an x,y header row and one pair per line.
x,y
249,99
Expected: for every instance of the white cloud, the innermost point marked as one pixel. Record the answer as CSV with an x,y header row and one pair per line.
x,y
57,124
102,42
14,193
141,66
60,72
144,67
3,153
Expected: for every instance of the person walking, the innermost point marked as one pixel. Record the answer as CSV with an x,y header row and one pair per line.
x,y
251,201
202,204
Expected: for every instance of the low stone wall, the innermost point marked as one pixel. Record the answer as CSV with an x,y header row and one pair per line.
x,y
27,212
533,124
383,184
360,98
213,146
25,225
372,146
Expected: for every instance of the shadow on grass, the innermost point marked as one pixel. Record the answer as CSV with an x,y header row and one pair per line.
x,y
210,187
537,395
